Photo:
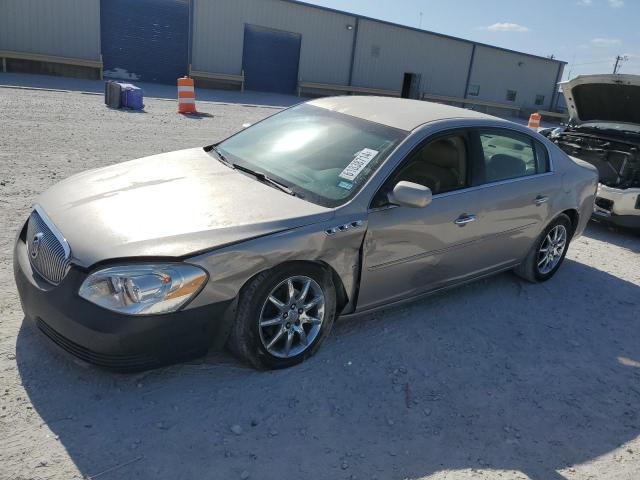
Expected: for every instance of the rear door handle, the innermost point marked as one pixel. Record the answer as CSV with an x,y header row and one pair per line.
x,y
462,220
540,199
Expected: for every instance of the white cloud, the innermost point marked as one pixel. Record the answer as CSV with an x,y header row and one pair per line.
x,y
507,27
616,3
605,42
584,3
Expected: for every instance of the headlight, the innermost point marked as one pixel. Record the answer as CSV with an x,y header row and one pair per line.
x,y
143,289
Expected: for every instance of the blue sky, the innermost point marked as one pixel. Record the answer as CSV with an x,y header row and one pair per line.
x,y
587,34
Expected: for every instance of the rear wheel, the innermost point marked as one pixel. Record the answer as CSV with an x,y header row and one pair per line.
x,y
283,316
548,251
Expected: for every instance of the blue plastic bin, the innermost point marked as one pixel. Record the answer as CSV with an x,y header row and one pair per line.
x,y
132,96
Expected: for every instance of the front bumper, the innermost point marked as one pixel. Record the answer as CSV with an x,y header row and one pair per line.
x,y
617,206
109,339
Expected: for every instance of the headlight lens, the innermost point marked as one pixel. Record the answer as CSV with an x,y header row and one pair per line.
x,y
143,289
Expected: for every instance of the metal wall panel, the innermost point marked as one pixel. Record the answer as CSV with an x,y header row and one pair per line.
x,y
218,32
64,28
145,40
385,52
497,71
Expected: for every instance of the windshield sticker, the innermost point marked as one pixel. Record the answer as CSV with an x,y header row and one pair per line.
x,y
359,163
345,185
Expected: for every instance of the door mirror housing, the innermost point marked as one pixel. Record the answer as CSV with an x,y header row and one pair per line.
x,y
409,194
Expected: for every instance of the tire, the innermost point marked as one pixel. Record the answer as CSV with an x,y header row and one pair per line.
x,y
249,341
531,268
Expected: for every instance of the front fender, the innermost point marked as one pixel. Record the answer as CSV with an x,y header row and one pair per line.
x,y
230,268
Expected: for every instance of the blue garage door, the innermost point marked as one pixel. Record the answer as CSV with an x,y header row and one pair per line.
x,y
270,59
145,40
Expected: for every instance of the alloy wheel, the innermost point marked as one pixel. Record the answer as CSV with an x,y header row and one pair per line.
x,y
291,316
552,249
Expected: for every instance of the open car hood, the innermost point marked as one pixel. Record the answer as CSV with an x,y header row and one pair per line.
x,y
603,98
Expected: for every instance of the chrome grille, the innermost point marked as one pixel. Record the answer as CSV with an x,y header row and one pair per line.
x,y
48,251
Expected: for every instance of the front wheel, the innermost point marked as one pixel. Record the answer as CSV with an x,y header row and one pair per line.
x,y
548,251
283,316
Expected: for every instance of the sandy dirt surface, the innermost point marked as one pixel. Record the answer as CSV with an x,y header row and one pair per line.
x,y
499,379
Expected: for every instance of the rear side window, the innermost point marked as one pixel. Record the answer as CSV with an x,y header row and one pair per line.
x,y
509,155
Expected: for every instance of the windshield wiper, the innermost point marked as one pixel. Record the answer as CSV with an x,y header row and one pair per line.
x,y
265,179
259,175
221,157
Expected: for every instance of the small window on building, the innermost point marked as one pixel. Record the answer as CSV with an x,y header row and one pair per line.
x,y
375,51
539,99
511,95
474,90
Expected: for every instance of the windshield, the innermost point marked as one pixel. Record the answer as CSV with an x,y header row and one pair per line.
x,y
323,156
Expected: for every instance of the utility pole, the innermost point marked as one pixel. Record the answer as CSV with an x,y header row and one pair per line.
x,y
619,60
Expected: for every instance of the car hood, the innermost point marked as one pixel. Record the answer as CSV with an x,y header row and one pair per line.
x,y
169,205
603,98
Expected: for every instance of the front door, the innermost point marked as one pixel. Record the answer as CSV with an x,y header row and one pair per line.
x,y
409,251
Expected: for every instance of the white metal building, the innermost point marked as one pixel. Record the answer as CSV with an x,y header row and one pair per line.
x,y
273,45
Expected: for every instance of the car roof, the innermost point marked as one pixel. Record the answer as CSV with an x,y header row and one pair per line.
x,y
400,113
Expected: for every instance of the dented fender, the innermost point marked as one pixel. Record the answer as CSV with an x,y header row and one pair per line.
x,y
231,267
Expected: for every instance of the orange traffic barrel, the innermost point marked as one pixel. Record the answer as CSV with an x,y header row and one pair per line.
x,y
534,121
186,95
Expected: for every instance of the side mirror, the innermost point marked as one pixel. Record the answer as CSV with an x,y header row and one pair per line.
x,y
412,195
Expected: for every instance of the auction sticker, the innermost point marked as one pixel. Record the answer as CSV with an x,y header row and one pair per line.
x,y
360,161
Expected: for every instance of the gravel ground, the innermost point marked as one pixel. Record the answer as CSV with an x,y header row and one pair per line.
x,y
498,379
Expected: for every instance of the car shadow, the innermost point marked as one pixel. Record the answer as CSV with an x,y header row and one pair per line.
x,y
496,375
621,237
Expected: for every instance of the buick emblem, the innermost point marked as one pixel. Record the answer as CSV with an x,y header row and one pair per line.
x,y
35,245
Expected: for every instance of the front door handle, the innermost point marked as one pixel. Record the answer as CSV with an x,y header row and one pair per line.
x,y
462,220
540,199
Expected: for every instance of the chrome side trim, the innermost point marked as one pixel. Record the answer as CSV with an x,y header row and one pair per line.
x,y
344,227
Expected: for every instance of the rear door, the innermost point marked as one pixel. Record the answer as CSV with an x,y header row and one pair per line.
x,y
518,185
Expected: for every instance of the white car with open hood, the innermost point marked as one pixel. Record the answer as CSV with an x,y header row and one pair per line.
x,y
604,130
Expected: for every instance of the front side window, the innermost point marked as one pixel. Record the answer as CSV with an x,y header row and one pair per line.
x,y
441,165
325,157
509,155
